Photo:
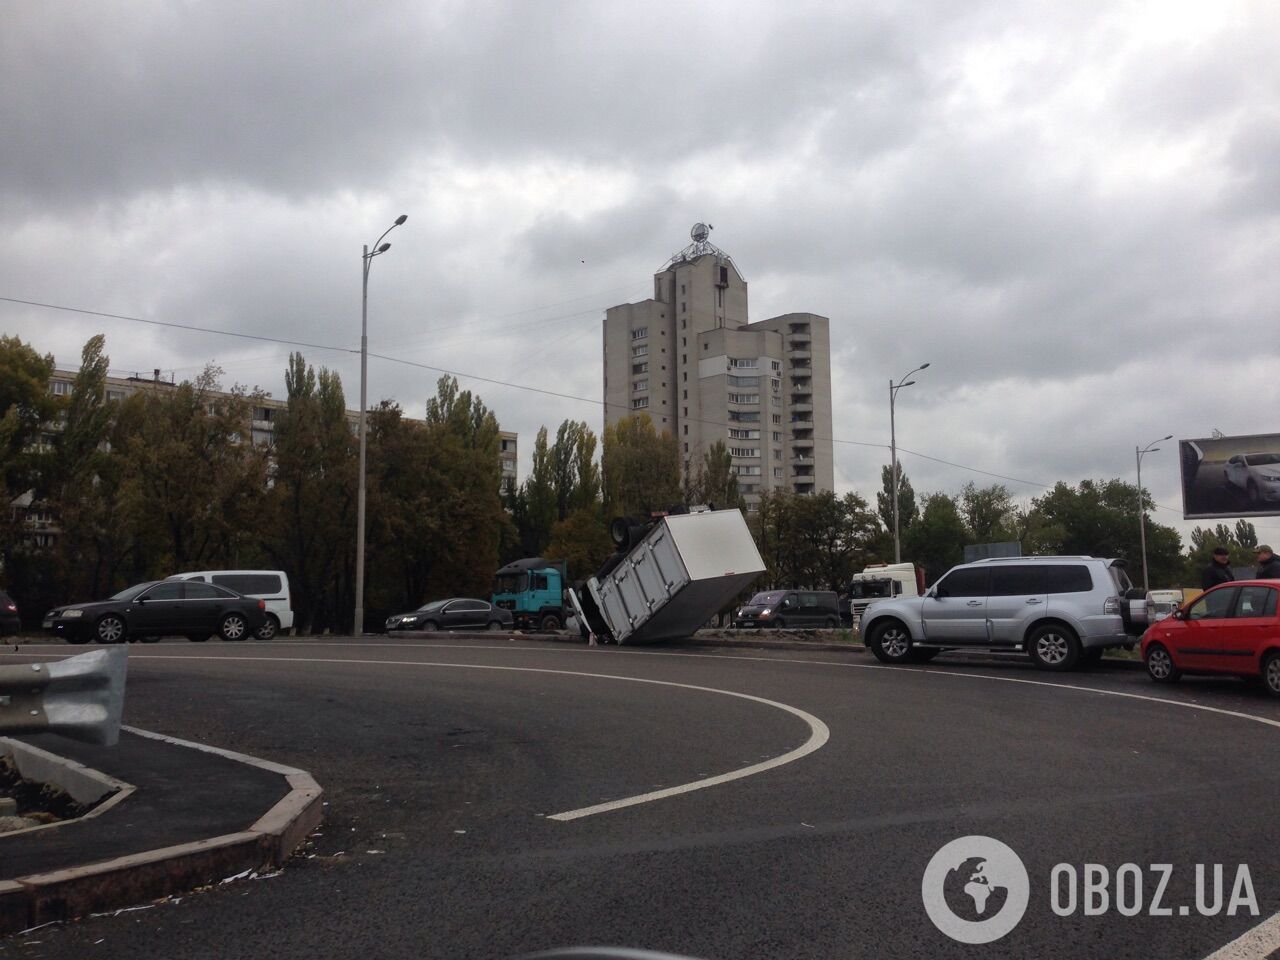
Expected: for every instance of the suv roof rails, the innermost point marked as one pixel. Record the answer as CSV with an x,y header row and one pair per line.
x,y
1079,556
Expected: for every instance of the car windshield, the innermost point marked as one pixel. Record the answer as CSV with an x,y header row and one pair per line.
x,y
871,589
766,599
1262,459
131,592
510,583
433,605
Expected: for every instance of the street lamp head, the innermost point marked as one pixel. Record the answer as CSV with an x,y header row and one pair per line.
x,y
384,248
401,219
924,366
907,384
1169,437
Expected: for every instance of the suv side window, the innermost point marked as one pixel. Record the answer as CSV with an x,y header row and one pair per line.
x,y
1214,605
1015,580
965,582
1065,578
1256,602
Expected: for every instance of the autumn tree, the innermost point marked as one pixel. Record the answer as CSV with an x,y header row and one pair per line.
x,y
640,468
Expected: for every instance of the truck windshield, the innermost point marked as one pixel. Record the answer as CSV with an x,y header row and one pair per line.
x,y
511,583
871,589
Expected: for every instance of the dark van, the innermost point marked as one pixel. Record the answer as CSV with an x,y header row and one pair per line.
x,y
807,609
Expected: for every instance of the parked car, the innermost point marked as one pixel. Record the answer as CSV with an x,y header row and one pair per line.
x,y
160,608
456,613
1059,610
9,622
790,608
1233,628
269,585
1256,475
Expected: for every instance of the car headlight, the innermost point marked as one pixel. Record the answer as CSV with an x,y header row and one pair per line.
x,y
765,612
72,613
1270,477
408,619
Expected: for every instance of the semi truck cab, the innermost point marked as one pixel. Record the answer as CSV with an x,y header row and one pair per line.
x,y
533,590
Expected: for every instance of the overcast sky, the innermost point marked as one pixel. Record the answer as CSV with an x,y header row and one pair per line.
x,y
1071,209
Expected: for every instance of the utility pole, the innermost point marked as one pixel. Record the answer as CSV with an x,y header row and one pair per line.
x,y
1139,453
893,454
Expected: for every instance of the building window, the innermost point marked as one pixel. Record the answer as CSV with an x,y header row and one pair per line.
x,y
743,381
777,418
640,351
682,306
745,470
686,411
744,452
684,341
684,377
748,488
777,454
777,401
777,472
777,436
639,333
686,395
60,388
777,365
640,385
682,289
115,394
640,368
744,398
640,403
744,416
747,362
686,446
686,433
684,358
683,323
744,434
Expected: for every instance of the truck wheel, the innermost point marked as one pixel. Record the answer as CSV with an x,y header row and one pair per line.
x,y
890,642
549,623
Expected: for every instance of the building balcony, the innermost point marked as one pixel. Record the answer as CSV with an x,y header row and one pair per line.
x,y
801,365
803,408
795,353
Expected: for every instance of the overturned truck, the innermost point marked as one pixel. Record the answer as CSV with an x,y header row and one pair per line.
x,y
669,576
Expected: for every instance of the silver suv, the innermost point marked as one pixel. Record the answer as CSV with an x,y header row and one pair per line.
x,y
1060,610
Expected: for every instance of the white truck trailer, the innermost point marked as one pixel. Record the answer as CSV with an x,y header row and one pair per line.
x,y
669,577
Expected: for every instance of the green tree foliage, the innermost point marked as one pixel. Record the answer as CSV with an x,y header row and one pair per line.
x,y
936,540
26,410
564,482
815,541
907,509
715,482
582,541
1100,518
989,512
640,468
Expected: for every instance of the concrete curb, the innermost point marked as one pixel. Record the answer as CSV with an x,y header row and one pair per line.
x,y
37,899
84,785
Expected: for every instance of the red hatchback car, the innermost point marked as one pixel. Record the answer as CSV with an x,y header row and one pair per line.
x,y
1233,628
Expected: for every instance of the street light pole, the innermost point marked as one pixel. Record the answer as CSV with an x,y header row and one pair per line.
x,y
893,454
366,259
1139,453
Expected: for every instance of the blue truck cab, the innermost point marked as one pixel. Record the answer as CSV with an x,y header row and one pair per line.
x,y
533,590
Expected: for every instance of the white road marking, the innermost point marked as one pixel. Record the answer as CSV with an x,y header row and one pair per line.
x,y
819,733
1256,944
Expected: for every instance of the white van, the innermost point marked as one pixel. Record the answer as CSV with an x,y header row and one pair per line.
x,y
269,585
1162,603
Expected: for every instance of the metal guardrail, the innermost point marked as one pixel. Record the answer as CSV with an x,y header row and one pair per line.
x,y
80,697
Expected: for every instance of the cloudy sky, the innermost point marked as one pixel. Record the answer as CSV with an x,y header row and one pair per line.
x,y
1071,209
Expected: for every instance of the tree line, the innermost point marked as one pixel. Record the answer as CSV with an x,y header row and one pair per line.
x,y
168,479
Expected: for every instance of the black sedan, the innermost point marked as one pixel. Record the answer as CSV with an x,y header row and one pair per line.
x,y
456,613
9,622
157,609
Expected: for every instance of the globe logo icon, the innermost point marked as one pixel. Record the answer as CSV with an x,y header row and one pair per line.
x,y
975,889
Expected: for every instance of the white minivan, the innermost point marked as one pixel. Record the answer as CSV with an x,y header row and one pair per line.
x,y
269,585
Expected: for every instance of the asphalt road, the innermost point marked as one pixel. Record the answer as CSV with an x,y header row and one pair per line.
x,y
444,760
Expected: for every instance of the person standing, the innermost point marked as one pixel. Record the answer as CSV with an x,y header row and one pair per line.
x,y
1219,569
1268,564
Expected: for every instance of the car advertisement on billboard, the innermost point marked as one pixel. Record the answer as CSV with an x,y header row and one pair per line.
x,y
1231,476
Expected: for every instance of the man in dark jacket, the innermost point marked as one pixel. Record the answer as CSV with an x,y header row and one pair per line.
x,y
1219,569
1268,564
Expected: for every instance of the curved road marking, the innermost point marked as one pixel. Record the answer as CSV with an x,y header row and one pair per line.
x,y
819,733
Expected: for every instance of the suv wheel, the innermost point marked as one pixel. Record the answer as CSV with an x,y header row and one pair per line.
x,y
1271,672
1053,647
1160,666
890,642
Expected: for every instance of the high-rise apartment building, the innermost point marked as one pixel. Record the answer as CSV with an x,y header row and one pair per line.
x,y
690,359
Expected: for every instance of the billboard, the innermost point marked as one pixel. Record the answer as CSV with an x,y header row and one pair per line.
x,y
1231,476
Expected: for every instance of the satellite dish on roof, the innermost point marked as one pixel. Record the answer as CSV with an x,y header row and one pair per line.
x,y
700,232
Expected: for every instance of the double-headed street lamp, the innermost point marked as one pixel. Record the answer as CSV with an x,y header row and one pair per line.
x,y
893,454
366,260
1140,452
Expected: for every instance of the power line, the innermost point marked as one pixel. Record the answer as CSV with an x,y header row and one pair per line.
x,y
505,383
